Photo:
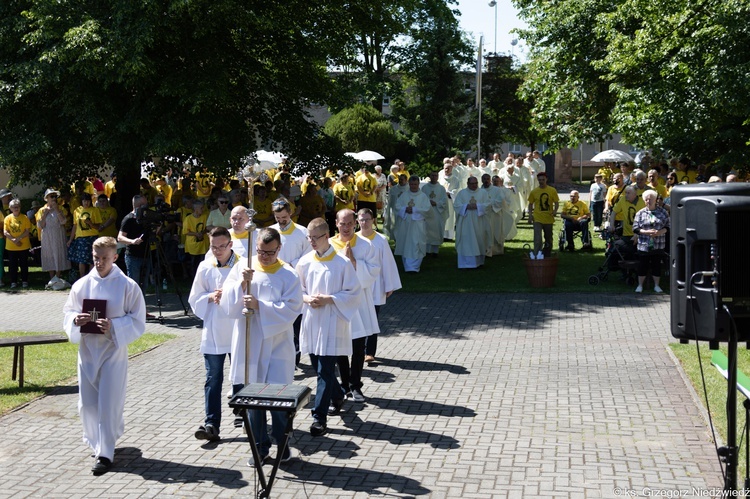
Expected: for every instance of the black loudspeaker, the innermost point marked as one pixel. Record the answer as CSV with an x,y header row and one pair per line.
x,y
710,261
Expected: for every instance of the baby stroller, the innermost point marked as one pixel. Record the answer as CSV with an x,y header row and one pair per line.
x,y
619,255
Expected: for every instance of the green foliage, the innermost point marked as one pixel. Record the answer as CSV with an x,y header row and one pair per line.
x,y
83,83
434,107
362,127
672,76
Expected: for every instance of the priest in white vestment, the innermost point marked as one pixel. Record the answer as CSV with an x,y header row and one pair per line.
x,y
471,206
452,184
438,214
363,256
412,207
392,223
294,245
388,279
103,358
216,335
331,295
275,299
497,206
512,180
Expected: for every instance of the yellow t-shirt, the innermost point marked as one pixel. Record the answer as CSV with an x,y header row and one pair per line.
x,y
366,185
109,188
203,184
166,191
544,200
577,209
106,214
613,196
263,211
83,218
344,192
627,211
195,224
15,226
687,176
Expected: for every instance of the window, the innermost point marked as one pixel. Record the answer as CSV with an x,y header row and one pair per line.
x,y
386,100
515,148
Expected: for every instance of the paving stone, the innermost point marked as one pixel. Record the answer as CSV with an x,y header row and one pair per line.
x,y
501,396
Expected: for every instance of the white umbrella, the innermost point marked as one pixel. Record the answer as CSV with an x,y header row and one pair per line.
x,y
269,156
612,155
368,156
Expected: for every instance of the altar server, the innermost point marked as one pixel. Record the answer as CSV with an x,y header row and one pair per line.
x,y
103,358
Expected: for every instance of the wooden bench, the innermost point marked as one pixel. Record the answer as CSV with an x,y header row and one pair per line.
x,y
18,342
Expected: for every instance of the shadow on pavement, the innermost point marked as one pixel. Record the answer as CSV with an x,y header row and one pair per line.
x,y
131,460
413,406
374,483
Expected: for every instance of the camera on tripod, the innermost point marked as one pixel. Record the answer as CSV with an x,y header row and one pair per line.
x,y
153,217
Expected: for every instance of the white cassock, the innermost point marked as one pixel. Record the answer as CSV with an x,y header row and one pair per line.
x,y
365,322
509,216
451,184
473,171
412,245
497,207
526,185
462,174
294,243
216,337
512,180
326,330
279,296
390,222
437,216
470,227
103,361
531,165
388,280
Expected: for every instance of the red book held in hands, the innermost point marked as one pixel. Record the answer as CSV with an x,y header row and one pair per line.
x,y
98,310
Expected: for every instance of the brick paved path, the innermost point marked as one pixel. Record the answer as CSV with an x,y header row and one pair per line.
x,y
474,396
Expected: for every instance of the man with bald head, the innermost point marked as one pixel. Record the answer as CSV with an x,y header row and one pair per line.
x,y
239,220
576,216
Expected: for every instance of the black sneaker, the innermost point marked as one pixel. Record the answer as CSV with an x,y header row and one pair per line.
x,y
208,432
318,429
335,408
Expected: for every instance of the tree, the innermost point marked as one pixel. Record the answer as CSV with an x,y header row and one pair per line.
x,y
86,83
506,115
670,75
362,127
572,100
679,70
374,30
434,108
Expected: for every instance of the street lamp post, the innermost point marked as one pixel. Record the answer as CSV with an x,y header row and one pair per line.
x,y
493,3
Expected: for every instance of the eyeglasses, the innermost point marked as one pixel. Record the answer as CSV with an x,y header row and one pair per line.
x,y
315,238
220,248
223,202
363,220
267,253
52,196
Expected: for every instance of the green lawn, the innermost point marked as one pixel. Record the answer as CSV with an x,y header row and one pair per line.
x,y
507,274
49,366
716,387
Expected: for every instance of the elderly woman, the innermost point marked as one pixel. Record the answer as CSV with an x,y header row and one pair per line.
x,y
650,225
86,221
50,220
16,228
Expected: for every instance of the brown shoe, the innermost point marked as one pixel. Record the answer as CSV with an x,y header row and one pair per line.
x,y
369,359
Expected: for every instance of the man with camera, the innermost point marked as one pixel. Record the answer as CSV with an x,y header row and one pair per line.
x,y
132,234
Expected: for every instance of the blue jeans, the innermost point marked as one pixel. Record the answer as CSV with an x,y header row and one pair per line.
x,y
328,388
214,379
259,427
134,265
